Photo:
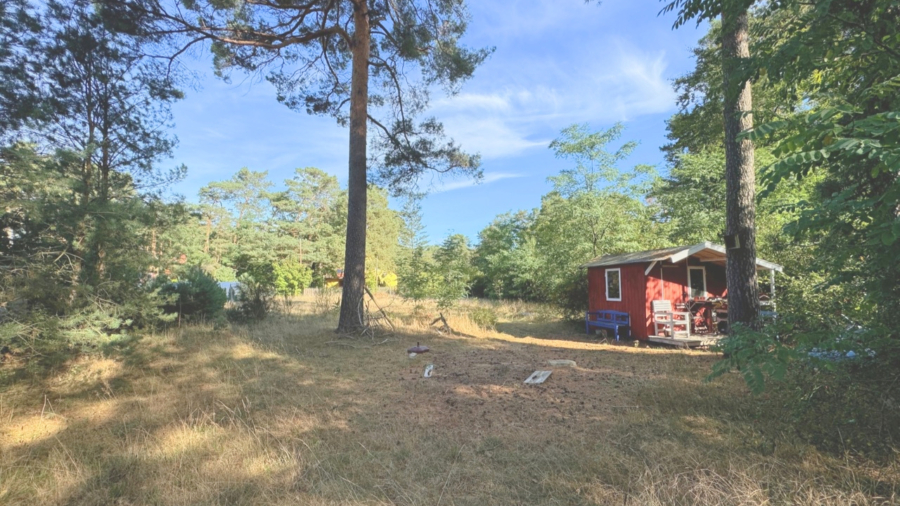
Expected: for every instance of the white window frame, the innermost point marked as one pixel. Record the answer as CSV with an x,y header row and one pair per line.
x,y
606,279
691,288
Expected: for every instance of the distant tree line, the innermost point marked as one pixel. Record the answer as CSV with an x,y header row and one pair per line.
x,y
244,226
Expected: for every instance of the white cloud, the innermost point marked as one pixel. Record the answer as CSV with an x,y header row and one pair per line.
x,y
509,115
466,183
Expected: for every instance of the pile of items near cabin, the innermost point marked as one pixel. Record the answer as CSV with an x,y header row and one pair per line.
x,y
673,296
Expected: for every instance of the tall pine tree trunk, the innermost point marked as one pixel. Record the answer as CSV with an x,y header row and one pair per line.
x,y
355,252
740,178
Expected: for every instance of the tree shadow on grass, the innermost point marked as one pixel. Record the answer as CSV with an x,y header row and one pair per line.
x,y
278,413
132,428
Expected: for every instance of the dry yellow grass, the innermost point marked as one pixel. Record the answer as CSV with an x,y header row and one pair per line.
x,y
288,413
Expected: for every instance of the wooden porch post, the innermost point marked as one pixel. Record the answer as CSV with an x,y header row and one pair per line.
x,y
772,284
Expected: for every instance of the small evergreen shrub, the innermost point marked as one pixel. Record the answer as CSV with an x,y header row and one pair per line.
x,y
195,296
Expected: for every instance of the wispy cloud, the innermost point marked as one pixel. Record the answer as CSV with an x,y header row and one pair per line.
x,y
466,183
524,110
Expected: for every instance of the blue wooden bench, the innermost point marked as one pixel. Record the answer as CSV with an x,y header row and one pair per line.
x,y
616,321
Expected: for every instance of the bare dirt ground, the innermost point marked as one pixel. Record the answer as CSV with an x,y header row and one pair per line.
x,y
286,412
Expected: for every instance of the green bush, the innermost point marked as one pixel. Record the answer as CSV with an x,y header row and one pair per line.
x,y
291,278
484,317
836,400
572,295
195,296
44,312
846,406
255,301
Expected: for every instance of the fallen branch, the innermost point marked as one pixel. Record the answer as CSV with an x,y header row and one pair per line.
x,y
446,327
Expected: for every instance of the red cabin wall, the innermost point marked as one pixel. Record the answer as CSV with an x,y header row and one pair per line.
x,y
676,283
639,290
633,294
652,293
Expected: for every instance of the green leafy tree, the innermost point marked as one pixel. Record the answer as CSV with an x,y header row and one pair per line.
x,y
697,126
41,278
382,246
20,29
291,278
844,60
78,247
834,176
689,202
452,271
113,115
240,227
595,209
740,176
505,259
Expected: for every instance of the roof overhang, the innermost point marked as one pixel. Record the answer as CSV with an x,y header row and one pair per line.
x,y
709,252
705,252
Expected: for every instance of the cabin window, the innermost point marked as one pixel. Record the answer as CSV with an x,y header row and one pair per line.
x,y
697,281
613,284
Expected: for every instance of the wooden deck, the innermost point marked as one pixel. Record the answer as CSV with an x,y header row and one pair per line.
x,y
694,341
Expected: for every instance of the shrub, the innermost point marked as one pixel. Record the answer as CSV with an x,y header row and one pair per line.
x,y
327,299
371,281
844,406
197,295
572,295
291,278
484,317
839,387
389,280
254,301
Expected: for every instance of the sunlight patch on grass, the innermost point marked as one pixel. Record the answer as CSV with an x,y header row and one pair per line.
x,y
31,429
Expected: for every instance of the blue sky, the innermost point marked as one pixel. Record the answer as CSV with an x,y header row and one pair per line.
x,y
557,62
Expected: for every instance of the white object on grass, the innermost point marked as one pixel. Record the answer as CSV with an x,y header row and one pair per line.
x,y
428,370
538,377
562,363
413,355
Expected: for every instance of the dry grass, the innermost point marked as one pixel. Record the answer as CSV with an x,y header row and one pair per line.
x,y
288,413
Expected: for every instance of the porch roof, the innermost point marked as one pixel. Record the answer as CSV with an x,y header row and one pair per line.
x,y
704,251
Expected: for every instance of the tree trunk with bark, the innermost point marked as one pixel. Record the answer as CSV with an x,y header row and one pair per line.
x,y
351,318
740,177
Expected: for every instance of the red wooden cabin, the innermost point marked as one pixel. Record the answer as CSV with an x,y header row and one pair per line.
x,y
630,282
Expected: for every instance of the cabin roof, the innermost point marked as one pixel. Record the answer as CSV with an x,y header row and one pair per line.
x,y
705,251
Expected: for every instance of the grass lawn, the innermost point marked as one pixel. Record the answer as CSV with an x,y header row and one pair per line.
x,y
287,412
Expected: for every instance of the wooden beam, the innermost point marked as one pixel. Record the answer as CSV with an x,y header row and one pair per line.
x,y
772,284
